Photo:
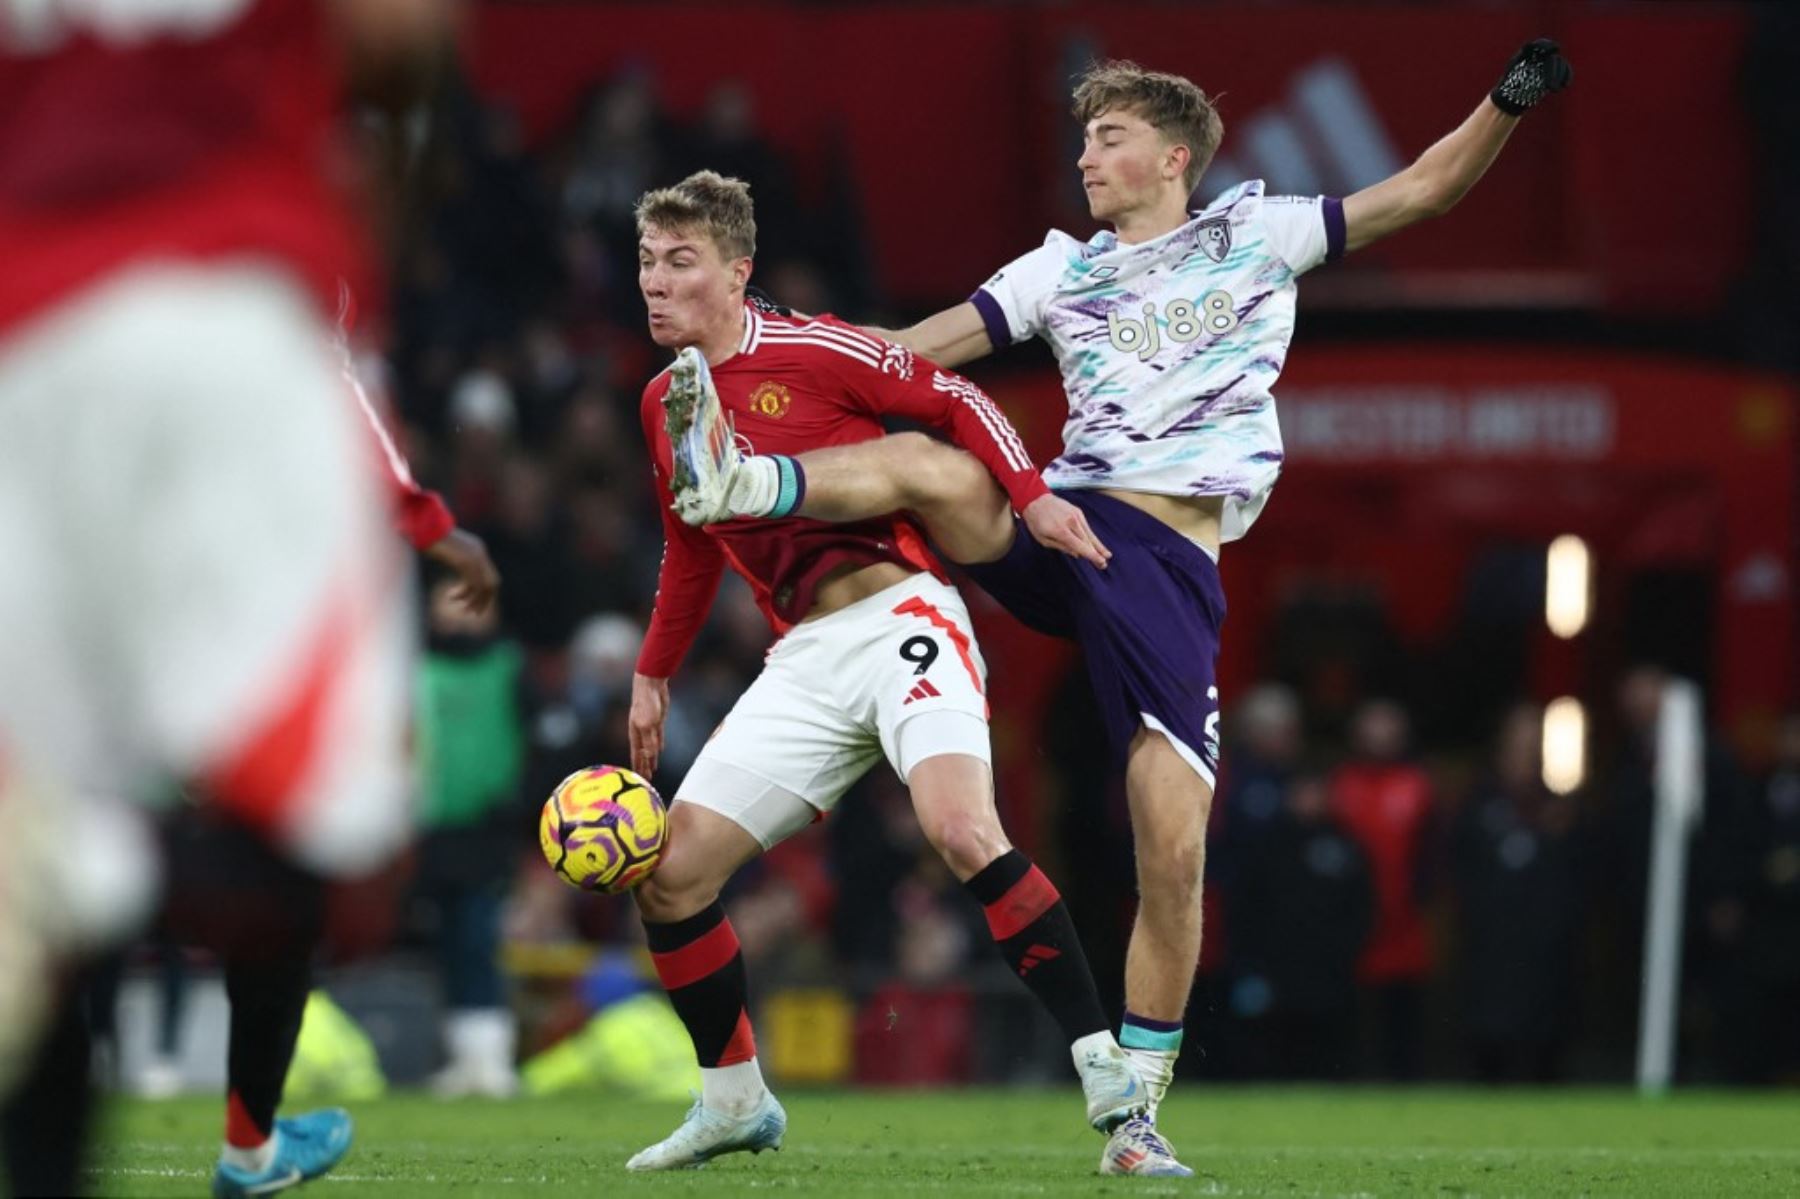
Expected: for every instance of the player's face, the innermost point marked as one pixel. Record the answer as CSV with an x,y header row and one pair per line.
x,y
1125,164
690,290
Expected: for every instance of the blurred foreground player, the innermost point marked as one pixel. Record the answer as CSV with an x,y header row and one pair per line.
x,y
1170,327
875,659
198,583
265,916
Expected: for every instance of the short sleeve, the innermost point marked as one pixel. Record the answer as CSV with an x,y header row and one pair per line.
x,y
1304,230
1012,302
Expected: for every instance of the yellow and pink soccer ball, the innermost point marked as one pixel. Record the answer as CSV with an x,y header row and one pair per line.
x,y
603,829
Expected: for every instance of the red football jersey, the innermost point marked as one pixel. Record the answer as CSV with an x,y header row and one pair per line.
x,y
796,385
185,129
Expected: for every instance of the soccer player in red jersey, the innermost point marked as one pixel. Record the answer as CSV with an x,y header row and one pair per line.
x,y
875,660
198,576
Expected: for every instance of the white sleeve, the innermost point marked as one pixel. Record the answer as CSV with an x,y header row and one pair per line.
x,y
1304,230
1012,302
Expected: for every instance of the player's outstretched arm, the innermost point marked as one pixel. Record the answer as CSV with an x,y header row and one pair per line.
x,y
1442,175
949,338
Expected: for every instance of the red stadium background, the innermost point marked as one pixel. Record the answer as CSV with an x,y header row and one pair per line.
x,y
1587,208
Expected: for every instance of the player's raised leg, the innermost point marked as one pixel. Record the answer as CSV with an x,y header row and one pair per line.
x,y
953,795
962,507
697,957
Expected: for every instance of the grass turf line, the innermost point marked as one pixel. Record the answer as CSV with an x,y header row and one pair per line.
x,y
1250,1142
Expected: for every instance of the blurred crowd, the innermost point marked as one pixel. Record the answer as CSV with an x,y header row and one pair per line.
x,y
1377,908
1390,916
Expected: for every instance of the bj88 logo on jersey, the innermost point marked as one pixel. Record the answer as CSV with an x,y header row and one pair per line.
x,y
1182,321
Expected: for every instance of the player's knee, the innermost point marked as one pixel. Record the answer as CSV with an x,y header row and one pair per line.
x,y
1173,866
678,889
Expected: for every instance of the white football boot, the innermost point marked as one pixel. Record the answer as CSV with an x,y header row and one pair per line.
x,y
1135,1147
702,440
1109,1081
706,1134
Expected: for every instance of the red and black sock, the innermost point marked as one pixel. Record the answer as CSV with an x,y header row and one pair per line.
x,y
1031,925
703,971
268,998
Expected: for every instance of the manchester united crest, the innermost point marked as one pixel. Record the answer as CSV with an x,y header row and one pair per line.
x,y
770,399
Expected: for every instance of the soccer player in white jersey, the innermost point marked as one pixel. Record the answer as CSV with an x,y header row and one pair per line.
x,y
1170,328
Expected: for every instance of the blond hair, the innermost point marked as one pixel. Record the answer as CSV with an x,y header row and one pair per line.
x,y
1176,108
705,202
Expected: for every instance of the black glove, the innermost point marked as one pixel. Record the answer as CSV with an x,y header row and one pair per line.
x,y
1536,70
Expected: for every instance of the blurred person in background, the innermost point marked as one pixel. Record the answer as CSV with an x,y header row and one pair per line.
x,y
910,944
1753,917
1632,805
1265,757
529,534
926,1005
622,144
1299,908
725,139
863,615
1518,865
631,1048
1170,327
1386,802
160,1076
483,420
1093,824
585,721
174,230
472,719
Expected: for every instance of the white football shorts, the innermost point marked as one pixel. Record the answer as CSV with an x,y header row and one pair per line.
x,y
895,675
197,579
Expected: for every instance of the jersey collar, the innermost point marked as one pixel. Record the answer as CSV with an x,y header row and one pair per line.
x,y
753,325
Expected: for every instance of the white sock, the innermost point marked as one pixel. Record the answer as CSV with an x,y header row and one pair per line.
x,y
732,1090
1095,1042
254,1161
755,487
1157,1068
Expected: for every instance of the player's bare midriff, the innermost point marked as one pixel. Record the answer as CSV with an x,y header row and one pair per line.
x,y
845,585
1196,517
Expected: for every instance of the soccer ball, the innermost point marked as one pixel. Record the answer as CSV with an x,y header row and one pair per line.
x,y
603,829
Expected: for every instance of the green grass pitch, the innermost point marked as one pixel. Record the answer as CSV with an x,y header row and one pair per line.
x,y
1271,1142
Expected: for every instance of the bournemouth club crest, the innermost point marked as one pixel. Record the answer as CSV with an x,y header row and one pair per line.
x,y
1214,238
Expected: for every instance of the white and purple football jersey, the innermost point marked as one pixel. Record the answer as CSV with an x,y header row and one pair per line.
x,y
1169,348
